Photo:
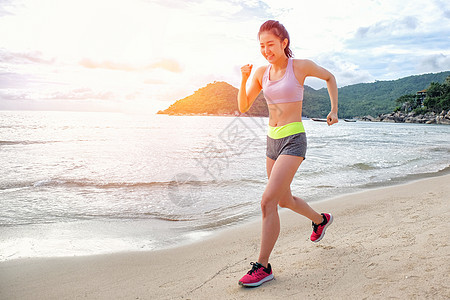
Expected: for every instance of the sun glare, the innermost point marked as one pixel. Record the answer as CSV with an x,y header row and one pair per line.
x,y
153,50
101,30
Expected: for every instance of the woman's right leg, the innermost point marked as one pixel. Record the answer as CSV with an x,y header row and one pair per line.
x,y
281,174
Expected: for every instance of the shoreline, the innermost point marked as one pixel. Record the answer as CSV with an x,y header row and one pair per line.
x,y
385,242
202,235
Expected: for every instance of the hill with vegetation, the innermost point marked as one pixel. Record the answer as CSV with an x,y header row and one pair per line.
x,y
373,99
219,98
436,98
430,106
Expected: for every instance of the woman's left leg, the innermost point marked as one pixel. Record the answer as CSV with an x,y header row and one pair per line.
x,y
294,203
300,206
280,179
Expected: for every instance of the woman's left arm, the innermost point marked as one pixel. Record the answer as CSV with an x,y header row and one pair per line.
x,y
309,68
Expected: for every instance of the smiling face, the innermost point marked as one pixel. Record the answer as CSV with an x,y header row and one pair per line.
x,y
272,48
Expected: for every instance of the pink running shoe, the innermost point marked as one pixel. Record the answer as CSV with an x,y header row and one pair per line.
x,y
257,275
319,229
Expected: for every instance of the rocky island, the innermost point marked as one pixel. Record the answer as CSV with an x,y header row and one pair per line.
x,y
218,98
429,106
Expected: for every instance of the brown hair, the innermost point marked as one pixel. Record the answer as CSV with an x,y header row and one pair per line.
x,y
277,29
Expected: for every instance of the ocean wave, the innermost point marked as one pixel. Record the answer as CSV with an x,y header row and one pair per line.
x,y
399,179
324,187
114,185
187,180
440,149
210,224
363,166
314,145
11,143
368,166
169,217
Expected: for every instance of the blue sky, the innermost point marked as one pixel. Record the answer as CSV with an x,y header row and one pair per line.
x,y
142,55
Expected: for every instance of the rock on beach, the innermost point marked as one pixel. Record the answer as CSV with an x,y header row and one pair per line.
x,y
412,117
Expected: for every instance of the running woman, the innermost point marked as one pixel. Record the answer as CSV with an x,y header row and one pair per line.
x,y
282,83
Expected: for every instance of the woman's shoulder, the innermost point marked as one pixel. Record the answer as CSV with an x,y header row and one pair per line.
x,y
304,66
260,71
302,62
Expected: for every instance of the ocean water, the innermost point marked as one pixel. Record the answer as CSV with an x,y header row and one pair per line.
x,y
75,183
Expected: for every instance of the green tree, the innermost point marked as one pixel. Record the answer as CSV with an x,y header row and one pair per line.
x,y
434,90
438,96
444,102
408,102
447,81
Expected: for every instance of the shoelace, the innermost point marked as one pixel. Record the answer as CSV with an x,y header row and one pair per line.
x,y
315,226
255,267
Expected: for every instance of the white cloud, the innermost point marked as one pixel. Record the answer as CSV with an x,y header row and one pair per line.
x,y
75,94
7,7
167,64
434,63
388,27
345,71
149,50
25,57
373,36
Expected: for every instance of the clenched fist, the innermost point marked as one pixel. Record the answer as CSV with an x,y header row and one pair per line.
x,y
246,71
332,118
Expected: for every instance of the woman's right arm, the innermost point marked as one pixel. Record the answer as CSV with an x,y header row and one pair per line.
x,y
245,100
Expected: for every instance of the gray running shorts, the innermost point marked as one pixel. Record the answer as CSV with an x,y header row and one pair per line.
x,y
290,145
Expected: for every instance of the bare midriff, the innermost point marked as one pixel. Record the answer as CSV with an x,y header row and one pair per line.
x,y
285,113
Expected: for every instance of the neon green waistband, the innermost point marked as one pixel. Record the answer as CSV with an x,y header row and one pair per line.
x,y
285,130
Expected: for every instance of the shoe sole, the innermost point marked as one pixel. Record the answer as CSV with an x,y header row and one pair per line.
x,y
325,228
255,284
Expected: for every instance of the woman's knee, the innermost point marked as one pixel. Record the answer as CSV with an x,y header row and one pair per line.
x,y
285,202
268,203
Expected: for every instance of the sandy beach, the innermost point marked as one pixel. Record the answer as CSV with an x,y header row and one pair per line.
x,y
384,243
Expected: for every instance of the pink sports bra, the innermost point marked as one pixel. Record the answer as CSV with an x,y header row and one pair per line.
x,y
287,89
